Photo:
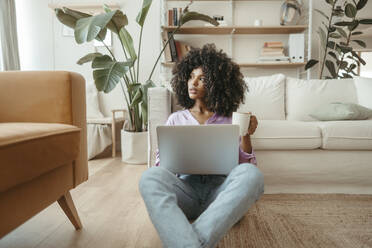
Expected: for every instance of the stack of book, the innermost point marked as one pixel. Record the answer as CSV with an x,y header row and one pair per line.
x,y
175,50
273,52
174,16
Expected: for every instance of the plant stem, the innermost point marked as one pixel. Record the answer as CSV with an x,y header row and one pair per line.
x,y
326,45
108,49
139,52
347,44
126,99
157,60
126,57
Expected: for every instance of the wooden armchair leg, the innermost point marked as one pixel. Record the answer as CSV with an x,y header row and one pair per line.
x,y
68,206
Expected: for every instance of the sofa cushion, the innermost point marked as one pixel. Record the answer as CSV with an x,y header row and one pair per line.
x,y
28,150
346,135
303,97
265,97
286,135
364,91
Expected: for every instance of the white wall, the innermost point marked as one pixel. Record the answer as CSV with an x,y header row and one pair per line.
x,y
42,46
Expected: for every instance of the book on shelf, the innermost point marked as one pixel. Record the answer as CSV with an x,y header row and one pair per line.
x,y
273,44
173,16
172,46
273,62
167,50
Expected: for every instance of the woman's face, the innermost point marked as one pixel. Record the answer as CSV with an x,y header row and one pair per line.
x,y
196,84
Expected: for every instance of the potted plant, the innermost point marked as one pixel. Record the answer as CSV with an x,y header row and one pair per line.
x,y
109,71
336,39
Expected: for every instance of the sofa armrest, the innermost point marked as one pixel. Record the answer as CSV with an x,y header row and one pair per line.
x,y
159,108
47,97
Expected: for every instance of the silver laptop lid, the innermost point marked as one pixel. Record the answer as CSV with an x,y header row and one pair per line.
x,y
203,149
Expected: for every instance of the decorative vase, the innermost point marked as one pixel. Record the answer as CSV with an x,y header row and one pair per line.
x,y
290,12
134,147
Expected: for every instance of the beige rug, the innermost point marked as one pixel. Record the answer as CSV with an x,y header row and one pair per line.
x,y
294,220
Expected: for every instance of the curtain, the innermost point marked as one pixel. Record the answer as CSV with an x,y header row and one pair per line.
x,y
8,35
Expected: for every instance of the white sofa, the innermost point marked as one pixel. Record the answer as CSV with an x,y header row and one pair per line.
x,y
296,153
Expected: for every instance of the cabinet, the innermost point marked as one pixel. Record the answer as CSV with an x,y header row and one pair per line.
x,y
239,15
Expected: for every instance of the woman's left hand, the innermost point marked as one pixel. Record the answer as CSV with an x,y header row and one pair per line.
x,y
252,125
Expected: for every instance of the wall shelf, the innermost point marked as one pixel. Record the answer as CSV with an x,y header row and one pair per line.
x,y
256,65
238,30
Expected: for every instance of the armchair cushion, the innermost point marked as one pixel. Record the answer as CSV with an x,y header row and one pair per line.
x,y
28,150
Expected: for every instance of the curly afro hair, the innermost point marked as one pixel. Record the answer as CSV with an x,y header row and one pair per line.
x,y
225,87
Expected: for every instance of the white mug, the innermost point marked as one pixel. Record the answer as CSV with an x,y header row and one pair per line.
x,y
243,120
257,23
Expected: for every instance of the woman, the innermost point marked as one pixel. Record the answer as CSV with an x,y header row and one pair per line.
x,y
210,87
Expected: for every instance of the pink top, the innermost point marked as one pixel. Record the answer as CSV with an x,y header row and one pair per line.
x,y
184,117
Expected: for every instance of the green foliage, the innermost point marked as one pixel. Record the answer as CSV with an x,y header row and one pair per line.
x,y
107,70
337,37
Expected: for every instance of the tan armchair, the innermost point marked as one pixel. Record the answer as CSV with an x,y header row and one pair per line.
x,y
43,152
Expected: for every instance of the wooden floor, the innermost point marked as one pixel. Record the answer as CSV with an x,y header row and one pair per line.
x,y
110,208
114,215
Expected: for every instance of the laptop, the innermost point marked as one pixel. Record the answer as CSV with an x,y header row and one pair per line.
x,y
203,150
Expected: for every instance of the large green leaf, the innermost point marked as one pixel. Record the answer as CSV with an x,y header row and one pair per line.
x,y
141,17
74,13
353,25
127,42
65,19
360,43
335,35
311,63
87,58
357,33
333,55
88,28
365,21
118,21
192,16
108,72
69,17
361,4
350,10
331,68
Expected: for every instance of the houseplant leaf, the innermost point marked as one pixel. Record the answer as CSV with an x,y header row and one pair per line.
x,y
192,16
331,68
358,57
360,43
88,28
335,35
342,32
365,21
353,25
118,21
87,58
361,4
333,55
350,10
127,42
141,17
346,75
357,33
108,72
311,63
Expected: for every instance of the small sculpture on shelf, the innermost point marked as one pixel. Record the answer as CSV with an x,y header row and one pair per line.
x,y
290,12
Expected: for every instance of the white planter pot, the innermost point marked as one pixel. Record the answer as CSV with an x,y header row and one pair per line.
x,y
134,147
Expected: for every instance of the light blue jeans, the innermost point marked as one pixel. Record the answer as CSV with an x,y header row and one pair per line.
x,y
215,202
